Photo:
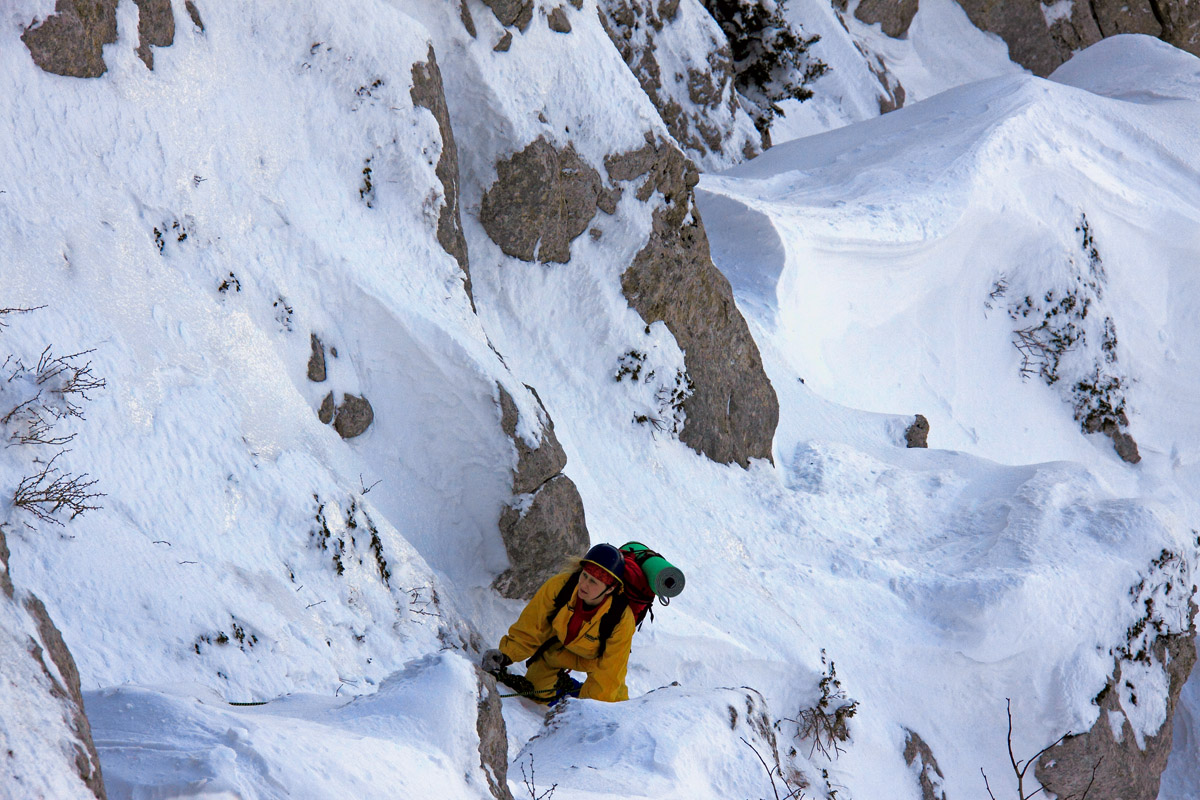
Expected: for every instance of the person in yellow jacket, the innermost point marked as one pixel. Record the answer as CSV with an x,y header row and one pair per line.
x,y
577,621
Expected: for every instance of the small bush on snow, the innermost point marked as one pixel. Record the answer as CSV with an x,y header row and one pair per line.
x,y
770,56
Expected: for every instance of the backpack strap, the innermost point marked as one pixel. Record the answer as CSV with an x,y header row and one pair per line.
x,y
608,623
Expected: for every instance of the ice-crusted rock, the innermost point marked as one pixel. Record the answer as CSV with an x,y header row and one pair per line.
x,y
427,93
543,198
682,61
733,410
71,41
156,28
1108,758
546,524
43,728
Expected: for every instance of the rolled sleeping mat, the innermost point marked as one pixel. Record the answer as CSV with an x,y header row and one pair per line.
x,y
665,579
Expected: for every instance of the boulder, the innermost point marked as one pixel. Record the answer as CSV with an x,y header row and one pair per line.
x,y
353,416
558,21
427,93
546,523
156,27
316,360
917,434
325,411
543,198
70,41
512,12
1113,765
539,535
732,413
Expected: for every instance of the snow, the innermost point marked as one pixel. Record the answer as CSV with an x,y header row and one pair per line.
x,y
234,558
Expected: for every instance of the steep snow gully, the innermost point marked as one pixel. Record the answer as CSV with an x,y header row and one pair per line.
x,y
197,201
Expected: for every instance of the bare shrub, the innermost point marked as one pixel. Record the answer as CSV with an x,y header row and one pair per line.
x,y
50,491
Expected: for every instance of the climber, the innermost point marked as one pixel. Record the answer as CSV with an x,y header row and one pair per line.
x,y
578,620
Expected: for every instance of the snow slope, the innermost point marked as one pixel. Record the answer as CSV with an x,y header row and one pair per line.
x,y
996,564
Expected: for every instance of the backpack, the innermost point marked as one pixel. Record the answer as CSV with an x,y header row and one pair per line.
x,y
638,596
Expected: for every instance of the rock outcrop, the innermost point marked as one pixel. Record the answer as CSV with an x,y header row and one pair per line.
x,y
733,410
546,523
691,88
919,757
70,42
156,28
493,737
894,16
1041,41
512,12
1113,765
427,93
316,360
57,757
543,198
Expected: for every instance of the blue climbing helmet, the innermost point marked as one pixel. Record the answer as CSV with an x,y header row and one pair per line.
x,y
609,559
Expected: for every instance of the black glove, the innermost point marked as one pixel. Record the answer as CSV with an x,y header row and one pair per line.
x,y
493,661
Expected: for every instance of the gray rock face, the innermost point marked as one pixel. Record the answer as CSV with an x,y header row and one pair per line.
x,y
493,737
353,416
156,27
552,526
894,15
732,414
70,41
427,93
512,12
929,776
635,28
917,434
543,198
1121,769
537,540
64,693
316,361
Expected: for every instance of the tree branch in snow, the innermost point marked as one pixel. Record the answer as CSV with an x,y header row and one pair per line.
x,y
50,490
1021,766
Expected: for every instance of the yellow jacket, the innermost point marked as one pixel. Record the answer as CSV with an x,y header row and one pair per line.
x,y
605,675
